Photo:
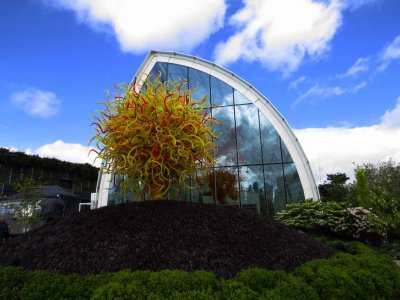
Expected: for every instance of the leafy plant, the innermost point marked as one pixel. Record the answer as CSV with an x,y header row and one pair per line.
x,y
361,224
334,219
361,188
335,188
376,189
312,216
156,137
28,202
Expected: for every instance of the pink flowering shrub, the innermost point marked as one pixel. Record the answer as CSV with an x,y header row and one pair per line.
x,y
360,224
334,220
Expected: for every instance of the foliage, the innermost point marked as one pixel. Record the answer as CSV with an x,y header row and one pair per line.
x,y
312,216
335,188
364,274
334,219
28,202
154,138
361,224
383,178
377,188
361,188
17,159
226,183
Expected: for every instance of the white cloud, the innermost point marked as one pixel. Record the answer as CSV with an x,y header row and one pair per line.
x,y
356,4
295,83
390,53
281,33
358,87
320,93
339,149
37,102
75,153
360,66
391,118
317,92
143,25
332,150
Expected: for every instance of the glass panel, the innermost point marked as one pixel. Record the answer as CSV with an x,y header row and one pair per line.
x,y
221,93
294,190
204,193
270,142
179,192
177,72
274,188
226,145
200,81
285,153
248,134
252,188
159,69
240,98
225,185
114,193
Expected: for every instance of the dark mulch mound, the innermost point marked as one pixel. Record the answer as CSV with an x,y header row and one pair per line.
x,y
162,235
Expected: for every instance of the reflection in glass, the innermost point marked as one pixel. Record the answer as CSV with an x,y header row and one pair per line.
x,y
248,134
200,81
177,72
274,188
240,98
221,93
226,145
285,153
224,184
270,140
179,192
294,190
252,194
159,69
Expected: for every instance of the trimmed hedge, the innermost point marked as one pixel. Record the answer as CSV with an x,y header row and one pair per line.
x,y
355,272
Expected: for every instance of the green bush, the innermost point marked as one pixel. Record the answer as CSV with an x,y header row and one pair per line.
x,y
355,272
365,275
361,224
312,216
333,219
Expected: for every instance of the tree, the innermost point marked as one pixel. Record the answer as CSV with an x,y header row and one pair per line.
x,y
335,188
361,188
385,175
28,203
378,187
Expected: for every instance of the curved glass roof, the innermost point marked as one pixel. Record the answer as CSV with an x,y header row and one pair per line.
x,y
257,152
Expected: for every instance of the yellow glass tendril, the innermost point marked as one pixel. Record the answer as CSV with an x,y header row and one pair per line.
x,y
156,137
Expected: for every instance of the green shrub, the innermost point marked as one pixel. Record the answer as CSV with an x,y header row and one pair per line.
x,y
231,289
345,276
356,272
361,224
260,279
334,220
312,216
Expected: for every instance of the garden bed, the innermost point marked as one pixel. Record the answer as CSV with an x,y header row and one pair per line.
x,y
163,235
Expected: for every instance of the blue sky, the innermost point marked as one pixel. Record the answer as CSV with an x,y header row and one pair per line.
x,y
332,68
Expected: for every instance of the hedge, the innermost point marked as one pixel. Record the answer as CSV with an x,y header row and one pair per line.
x,y
355,272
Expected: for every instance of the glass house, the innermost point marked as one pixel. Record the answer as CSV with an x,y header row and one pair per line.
x,y
257,153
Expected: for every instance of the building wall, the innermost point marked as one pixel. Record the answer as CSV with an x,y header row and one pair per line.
x,y
250,147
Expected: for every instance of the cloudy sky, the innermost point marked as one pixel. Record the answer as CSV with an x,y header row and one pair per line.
x,y
332,67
